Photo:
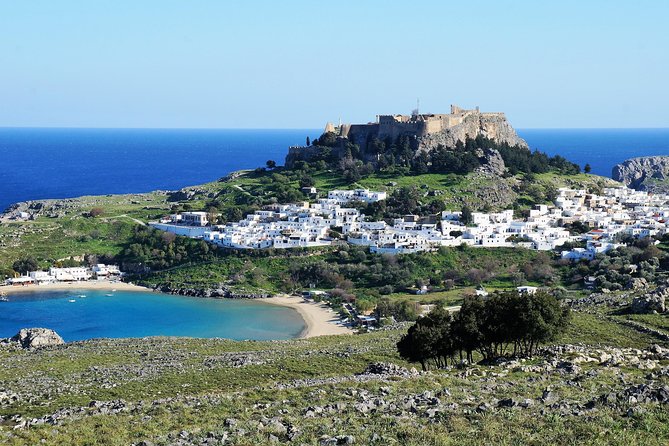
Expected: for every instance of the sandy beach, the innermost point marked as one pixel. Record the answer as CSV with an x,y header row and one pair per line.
x,y
319,319
90,285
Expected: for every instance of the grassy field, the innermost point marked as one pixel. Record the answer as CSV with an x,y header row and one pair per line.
x,y
194,391
656,321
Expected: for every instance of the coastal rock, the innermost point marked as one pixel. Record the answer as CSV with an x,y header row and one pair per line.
x,y
216,293
647,173
37,337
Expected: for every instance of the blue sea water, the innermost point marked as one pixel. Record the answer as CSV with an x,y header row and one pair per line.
x,y
137,314
61,162
601,148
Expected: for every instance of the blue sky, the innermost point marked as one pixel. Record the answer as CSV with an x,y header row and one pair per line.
x,y
298,64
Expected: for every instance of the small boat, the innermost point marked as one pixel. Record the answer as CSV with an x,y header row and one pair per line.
x,y
71,300
114,290
109,295
82,295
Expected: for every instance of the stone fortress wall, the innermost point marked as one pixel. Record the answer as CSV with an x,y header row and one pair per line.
x,y
418,125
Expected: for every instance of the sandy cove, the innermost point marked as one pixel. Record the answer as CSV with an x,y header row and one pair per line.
x,y
89,285
318,318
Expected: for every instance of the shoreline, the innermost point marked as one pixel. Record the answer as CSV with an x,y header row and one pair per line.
x,y
319,320
84,285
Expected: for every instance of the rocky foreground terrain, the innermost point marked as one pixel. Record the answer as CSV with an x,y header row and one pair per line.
x,y
604,382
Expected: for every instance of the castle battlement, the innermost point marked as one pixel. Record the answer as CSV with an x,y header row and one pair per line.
x,y
419,124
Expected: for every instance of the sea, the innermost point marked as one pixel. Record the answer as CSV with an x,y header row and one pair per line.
x,y
40,163
84,314
601,148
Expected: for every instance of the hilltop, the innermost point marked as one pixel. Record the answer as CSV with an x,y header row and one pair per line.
x,y
417,133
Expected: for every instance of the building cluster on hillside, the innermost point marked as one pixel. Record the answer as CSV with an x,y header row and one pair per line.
x,y
616,212
296,225
71,274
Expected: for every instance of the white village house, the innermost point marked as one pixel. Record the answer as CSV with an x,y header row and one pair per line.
x,y
619,211
70,274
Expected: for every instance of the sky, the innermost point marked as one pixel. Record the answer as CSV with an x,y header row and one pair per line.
x,y
299,64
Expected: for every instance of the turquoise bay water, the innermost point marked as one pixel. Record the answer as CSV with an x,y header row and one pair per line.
x,y
136,314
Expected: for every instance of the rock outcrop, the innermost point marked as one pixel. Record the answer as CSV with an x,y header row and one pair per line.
x,y
648,173
495,127
491,162
221,292
653,302
37,337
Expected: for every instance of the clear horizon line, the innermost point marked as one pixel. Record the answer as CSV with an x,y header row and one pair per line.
x,y
290,128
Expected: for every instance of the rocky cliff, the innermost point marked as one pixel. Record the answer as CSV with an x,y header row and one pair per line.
x,y
649,173
495,127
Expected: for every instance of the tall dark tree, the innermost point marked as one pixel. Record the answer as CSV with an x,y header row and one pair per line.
x,y
307,181
467,326
25,265
308,141
466,215
271,164
587,168
429,339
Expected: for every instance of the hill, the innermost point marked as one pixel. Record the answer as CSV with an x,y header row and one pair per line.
x,y
603,383
52,231
602,380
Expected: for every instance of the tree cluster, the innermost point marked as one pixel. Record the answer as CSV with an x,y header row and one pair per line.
x,y
506,323
616,269
154,249
400,157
